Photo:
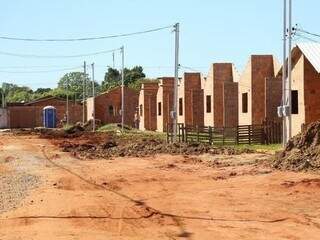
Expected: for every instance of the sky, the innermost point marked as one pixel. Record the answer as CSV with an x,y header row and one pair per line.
x,y
210,31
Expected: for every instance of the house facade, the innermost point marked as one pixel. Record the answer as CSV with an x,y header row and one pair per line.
x,y
108,106
190,100
305,85
260,91
164,102
221,96
148,106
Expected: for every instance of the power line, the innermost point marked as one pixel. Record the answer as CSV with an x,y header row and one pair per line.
x,y
307,38
307,32
56,56
34,66
43,71
84,38
190,68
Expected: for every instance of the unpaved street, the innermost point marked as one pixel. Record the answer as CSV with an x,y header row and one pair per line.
x,y
48,194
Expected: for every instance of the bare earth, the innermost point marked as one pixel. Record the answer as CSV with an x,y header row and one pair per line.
x,y
162,197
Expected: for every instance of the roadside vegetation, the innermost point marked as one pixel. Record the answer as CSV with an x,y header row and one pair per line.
x,y
71,84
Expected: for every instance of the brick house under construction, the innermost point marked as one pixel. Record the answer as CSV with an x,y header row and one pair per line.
x,y
164,102
190,100
305,85
221,96
148,106
108,106
260,90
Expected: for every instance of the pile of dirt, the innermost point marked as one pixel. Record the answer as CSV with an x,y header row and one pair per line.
x,y
88,126
114,147
302,152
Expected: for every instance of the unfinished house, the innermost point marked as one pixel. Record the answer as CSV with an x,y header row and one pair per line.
x,y
148,106
164,103
305,85
221,96
190,100
259,90
108,106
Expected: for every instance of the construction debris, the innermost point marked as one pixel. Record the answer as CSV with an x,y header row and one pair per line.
x,y
113,146
302,152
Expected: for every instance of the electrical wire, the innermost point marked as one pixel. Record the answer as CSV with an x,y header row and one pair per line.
x,y
35,66
307,32
307,38
43,71
84,38
189,68
56,56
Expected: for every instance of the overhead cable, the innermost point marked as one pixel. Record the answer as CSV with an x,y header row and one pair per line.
x,y
84,38
56,56
43,71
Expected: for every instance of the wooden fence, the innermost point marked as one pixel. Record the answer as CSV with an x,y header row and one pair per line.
x,y
266,133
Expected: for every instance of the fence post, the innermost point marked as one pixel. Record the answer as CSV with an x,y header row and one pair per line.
x,y
223,136
198,137
249,133
210,135
237,135
182,132
167,132
186,129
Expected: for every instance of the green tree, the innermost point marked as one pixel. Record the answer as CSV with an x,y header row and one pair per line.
x,y
42,90
112,77
73,81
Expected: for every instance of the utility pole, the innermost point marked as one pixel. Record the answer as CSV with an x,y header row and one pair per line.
x,y
113,60
289,69
122,88
93,101
84,91
176,79
284,73
67,112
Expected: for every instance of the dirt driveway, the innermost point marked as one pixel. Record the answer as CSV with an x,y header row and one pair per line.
x,y
57,196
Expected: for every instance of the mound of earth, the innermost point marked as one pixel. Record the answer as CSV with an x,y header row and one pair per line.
x,y
114,147
302,152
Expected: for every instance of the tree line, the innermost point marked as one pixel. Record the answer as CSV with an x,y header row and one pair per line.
x,y
71,84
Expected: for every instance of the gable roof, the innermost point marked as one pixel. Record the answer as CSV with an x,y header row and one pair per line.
x,y
311,51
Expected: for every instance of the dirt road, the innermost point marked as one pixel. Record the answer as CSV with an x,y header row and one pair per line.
x,y
162,197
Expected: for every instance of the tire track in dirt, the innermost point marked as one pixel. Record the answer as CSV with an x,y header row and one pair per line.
x,y
149,208
150,211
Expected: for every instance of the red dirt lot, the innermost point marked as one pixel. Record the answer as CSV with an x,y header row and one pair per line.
x,y
157,197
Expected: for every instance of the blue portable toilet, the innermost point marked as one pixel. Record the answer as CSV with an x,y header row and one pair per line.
x,y
49,114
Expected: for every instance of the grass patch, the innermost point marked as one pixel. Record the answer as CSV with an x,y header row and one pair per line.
x,y
130,133
262,148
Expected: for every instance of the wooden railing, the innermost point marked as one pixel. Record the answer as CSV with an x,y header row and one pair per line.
x,y
266,133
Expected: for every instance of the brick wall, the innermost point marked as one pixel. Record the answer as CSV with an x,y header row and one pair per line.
x,y
219,74
222,72
230,104
273,97
311,92
108,106
148,102
30,114
262,67
192,100
165,97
